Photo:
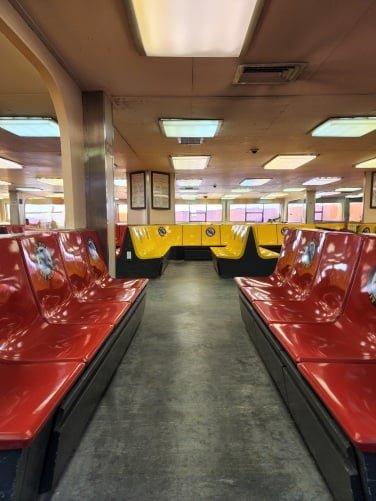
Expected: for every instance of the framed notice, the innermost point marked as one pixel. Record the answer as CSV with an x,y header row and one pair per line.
x,y
373,191
138,192
160,190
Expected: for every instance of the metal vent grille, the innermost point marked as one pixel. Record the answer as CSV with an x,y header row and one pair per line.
x,y
268,74
190,140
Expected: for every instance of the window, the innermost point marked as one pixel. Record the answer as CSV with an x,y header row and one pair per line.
x,y
122,212
45,213
296,212
356,212
329,211
254,213
198,213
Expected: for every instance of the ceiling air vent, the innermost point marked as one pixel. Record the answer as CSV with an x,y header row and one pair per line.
x,y
190,140
267,74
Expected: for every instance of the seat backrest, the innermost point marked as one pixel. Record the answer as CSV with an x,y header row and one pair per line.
x,y
75,261
361,303
287,254
94,254
18,308
308,253
46,272
266,234
192,234
338,263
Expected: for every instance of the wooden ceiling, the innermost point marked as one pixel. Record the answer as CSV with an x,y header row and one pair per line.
x,y
94,43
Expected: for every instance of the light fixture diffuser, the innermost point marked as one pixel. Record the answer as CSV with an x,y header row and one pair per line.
x,y
367,164
272,195
241,190
255,181
288,162
229,197
30,126
9,164
347,190
293,190
177,127
188,183
191,162
53,181
175,28
345,127
359,195
322,194
26,188
5,183
319,181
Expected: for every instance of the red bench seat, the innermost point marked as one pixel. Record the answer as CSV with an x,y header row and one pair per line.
x,y
283,267
337,264
298,283
51,287
349,393
29,393
81,277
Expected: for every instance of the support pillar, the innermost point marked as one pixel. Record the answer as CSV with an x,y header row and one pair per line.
x,y
99,171
310,206
369,213
13,207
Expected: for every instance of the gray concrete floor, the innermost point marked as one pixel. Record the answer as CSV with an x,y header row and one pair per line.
x,y
191,414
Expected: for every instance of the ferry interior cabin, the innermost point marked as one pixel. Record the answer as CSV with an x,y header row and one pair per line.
x,y
188,250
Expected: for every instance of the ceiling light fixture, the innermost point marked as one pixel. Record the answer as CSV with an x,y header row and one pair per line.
x,y
188,197
288,162
180,128
319,181
367,164
293,190
5,183
191,162
326,194
30,126
172,28
241,190
188,183
345,127
229,197
9,164
272,195
255,181
347,190
53,181
26,188
359,195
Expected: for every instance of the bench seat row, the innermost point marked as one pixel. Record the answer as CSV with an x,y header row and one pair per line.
x,y
313,321
65,325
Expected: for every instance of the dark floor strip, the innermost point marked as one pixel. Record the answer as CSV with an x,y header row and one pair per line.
x,y
191,413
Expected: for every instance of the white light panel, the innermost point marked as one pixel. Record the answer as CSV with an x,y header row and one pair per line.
x,y
176,127
359,195
188,183
288,162
229,197
25,188
9,164
345,127
193,28
53,181
320,181
30,126
191,162
293,190
347,190
254,181
5,183
326,194
367,164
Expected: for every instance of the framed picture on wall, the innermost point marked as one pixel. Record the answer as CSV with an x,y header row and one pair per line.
x,y
160,190
373,191
138,191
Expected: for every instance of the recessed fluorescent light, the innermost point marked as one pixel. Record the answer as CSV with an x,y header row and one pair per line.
x,y
25,188
326,194
255,181
347,190
174,28
5,183
53,181
241,190
190,162
288,162
120,182
367,164
319,181
9,164
188,190
229,197
176,127
293,190
188,197
273,195
186,183
359,195
345,127
30,126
